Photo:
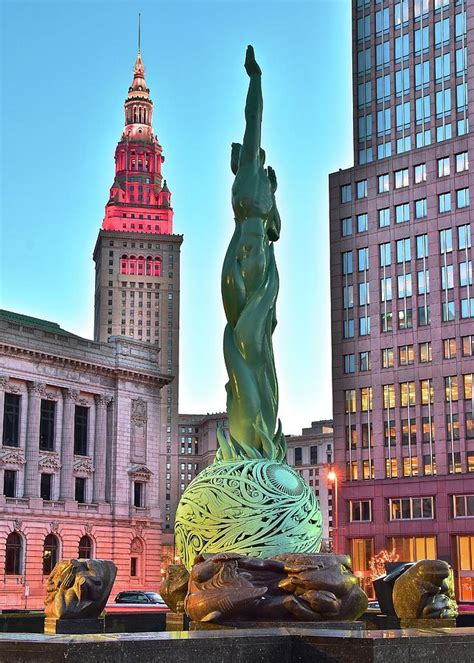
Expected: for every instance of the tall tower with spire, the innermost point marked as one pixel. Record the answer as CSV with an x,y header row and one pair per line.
x,y
137,259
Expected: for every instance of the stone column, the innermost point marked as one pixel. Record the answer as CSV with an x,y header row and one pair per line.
x,y
100,447
35,392
66,490
3,385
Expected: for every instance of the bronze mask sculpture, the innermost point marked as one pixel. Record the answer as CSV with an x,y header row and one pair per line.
x,y
79,588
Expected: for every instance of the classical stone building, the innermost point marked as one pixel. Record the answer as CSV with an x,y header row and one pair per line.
x,y
311,453
80,455
89,450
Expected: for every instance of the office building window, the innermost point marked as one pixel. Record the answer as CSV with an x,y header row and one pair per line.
x,y
421,246
411,508
360,511
346,193
362,223
384,217
403,250
426,354
420,173
421,209
361,187
444,202
462,198
446,240
449,348
443,167
387,358
401,178
383,183
462,162
364,361
464,237
467,346
346,226
349,363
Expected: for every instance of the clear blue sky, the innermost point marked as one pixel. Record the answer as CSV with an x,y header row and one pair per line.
x,y
66,68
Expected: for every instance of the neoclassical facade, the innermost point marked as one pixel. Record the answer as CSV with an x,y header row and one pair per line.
x,y
81,450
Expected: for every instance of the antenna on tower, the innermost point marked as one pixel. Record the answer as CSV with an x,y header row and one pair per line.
x,y
139,15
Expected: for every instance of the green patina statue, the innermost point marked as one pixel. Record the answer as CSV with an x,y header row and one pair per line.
x,y
250,501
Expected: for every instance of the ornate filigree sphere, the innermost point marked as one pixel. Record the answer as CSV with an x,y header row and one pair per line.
x,y
257,508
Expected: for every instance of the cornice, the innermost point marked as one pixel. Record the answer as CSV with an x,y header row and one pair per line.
x,y
85,366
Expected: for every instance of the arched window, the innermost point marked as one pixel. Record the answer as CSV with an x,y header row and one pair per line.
x,y
85,547
157,267
123,264
132,264
140,264
13,554
50,553
149,265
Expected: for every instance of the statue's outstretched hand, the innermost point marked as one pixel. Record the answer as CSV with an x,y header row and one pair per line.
x,y
251,66
272,177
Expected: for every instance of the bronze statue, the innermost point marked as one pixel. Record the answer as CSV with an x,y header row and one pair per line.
x,y
250,501
425,591
301,587
174,587
79,588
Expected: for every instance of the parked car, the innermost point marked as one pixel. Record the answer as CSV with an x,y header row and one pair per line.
x,y
140,597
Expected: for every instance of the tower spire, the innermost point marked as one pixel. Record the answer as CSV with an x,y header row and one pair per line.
x,y
139,49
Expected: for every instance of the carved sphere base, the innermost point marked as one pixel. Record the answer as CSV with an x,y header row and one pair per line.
x,y
257,508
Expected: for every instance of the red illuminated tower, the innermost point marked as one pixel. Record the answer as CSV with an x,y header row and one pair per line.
x,y
137,269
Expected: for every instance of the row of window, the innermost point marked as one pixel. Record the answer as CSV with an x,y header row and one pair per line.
x,y
11,488
406,354
405,318
401,213
444,131
407,391
408,430
405,289
11,425
409,466
402,12
438,105
410,508
399,83
401,178
15,550
403,252
140,266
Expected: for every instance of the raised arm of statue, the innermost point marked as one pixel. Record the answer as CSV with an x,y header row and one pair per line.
x,y
253,112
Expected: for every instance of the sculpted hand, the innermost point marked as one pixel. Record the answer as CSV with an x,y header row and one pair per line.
x,y
251,66
272,177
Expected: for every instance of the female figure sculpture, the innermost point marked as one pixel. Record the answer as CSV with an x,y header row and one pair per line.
x,y
249,501
249,292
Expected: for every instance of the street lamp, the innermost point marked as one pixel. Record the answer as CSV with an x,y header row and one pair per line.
x,y
332,477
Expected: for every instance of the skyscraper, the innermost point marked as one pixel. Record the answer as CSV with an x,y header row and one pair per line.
x,y
401,290
137,259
